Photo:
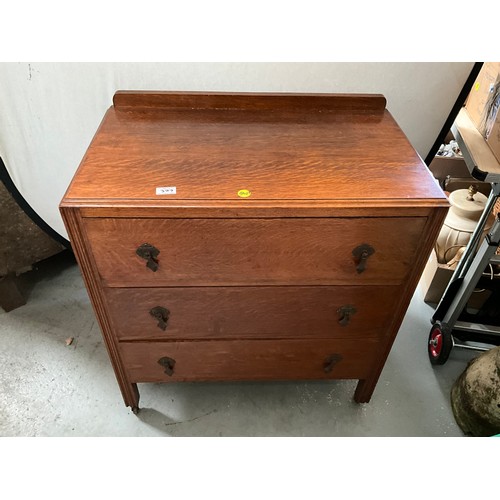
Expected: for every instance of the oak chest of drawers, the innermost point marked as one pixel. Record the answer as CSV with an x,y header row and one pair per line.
x,y
250,236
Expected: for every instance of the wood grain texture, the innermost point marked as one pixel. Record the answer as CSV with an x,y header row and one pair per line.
x,y
365,388
72,221
253,285
262,210
217,252
247,359
248,101
287,153
251,312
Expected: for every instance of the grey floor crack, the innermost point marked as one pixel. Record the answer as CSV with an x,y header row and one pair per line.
x,y
192,419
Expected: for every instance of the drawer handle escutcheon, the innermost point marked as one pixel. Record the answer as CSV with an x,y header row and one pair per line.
x,y
361,254
331,361
150,254
345,313
168,364
161,315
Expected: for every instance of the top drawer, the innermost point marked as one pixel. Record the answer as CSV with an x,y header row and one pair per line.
x,y
306,251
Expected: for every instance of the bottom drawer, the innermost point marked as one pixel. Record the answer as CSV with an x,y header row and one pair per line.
x,y
248,359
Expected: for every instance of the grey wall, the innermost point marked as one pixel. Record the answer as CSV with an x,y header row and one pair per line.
x,y
50,111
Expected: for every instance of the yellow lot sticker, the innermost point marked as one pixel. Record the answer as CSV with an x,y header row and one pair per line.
x,y
244,193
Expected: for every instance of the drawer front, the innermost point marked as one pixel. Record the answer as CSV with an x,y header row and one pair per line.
x,y
217,252
253,312
248,360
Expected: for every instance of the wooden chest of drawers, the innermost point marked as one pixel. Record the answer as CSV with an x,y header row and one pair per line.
x,y
250,236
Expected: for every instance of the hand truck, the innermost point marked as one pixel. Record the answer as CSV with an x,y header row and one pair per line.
x,y
447,331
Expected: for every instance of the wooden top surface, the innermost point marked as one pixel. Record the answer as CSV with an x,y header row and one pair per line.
x,y
278,147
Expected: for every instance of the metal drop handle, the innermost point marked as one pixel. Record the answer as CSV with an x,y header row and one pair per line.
x,y
161,314
345,313
168,364
331,361
150,254
361,254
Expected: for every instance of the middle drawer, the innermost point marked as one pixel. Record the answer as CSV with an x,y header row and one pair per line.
x,y
250,312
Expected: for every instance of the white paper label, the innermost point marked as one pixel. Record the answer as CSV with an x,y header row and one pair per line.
x,y
166,190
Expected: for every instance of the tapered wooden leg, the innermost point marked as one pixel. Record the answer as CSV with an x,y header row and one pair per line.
x,y
131,396
364,390
74,225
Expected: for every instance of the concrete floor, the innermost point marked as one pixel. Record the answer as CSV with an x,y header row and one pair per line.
x,y
50,389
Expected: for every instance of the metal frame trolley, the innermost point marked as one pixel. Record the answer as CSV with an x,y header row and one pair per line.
x,y
448,331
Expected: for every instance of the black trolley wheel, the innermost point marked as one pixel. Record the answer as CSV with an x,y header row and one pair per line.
x,y
440,344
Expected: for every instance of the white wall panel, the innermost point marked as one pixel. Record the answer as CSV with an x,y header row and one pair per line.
x,y
50,111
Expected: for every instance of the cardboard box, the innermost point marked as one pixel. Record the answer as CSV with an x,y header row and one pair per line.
x,y
443,166
478,96
493,139
435,279
454,183
452,174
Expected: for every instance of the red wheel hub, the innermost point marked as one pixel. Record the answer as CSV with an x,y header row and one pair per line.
x,y
436,342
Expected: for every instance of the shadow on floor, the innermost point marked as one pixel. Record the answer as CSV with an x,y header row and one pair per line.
x,y
46,269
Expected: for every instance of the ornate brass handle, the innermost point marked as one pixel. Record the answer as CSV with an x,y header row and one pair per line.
x,y
150,254
361,254
331,361
168,364
345,313
161,315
